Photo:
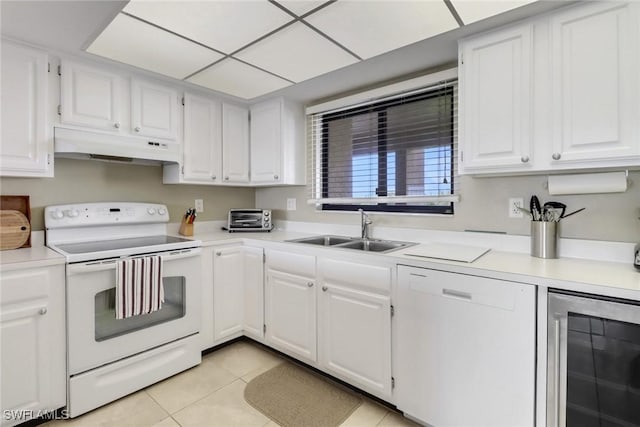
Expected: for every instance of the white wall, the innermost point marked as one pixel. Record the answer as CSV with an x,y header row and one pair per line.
x,y
81,181
483,206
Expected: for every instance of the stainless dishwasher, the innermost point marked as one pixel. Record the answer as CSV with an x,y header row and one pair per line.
x,y
593,361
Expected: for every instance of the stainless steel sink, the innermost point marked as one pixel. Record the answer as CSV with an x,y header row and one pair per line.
x,y
375,245
369,245
327,240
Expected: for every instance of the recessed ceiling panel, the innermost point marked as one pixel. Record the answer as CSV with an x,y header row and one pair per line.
x,y
297,53
471,11
300,7
370,28
222,25
135,43
238,79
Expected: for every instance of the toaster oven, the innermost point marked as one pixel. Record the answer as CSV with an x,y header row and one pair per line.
x,y
249,220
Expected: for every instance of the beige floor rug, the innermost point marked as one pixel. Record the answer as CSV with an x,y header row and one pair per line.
x,y
296,397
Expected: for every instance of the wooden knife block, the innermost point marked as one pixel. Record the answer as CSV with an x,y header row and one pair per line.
x,y
185,229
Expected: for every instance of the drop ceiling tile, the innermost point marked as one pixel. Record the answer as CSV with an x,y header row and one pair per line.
x,y
135,43
370,28
475,10
300,7
297,53
238,79
222,25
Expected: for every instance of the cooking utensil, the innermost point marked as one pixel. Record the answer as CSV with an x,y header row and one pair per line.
x,y
573,213
523,210
535,208
553,211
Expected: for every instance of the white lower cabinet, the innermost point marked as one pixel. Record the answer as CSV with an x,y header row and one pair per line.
x,y
331,316
32,337
290,303
354,324
237,293
464,349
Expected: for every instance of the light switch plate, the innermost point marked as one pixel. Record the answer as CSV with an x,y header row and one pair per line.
x,y
291,204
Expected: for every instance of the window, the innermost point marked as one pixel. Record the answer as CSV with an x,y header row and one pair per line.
x,y
395,154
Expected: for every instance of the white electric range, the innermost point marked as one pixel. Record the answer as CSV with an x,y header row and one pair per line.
x,y
107,357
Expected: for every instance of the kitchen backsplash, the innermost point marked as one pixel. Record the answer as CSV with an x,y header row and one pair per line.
x,y
483,201
483,206
92,181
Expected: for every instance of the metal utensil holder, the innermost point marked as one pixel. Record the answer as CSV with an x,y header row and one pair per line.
x,y
544,239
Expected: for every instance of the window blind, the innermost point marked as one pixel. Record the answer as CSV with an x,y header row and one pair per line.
x,y
397,153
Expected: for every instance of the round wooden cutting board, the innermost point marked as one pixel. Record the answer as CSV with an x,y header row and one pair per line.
x,y
14,229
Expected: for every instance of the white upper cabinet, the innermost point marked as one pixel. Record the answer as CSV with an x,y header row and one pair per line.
x,y
154,110
26,147
556,93
235,144
266,142
495,99
202,142
90,97
596,83
277,143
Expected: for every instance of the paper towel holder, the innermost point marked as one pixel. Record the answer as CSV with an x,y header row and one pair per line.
x,y
588,183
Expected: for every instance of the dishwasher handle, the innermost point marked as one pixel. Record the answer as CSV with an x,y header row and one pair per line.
x,y
456,294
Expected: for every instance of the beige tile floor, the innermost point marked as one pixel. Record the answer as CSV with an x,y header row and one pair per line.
x,y
212,394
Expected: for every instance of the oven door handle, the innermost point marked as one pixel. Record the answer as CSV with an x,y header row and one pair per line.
x,y
90,267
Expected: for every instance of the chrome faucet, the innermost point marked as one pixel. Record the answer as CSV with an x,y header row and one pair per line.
x,y
365,222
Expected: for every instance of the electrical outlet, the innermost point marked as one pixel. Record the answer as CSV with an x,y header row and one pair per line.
x,y
291,204
514,204
199,205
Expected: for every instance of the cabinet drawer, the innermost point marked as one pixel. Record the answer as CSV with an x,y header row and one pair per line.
x,y
289,262
352,274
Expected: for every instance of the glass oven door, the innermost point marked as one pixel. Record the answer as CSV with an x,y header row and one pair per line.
x,y
96,337
593,362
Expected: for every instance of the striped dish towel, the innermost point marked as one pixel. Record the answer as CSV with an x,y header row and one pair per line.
x,y
139,287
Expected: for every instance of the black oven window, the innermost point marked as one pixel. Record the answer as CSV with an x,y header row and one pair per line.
x,y
603,372
107,326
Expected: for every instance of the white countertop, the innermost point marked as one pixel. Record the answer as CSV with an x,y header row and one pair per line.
x,y
36,256
616,279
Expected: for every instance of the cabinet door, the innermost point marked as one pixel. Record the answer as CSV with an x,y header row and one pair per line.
x,y
202,146
351,324
32,334
495,100
228,292
266,142
90,97
596,90
291,313
253,292
25,148
464,342
154,110
235,144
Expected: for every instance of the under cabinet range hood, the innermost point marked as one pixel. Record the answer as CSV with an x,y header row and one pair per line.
x,y
80,144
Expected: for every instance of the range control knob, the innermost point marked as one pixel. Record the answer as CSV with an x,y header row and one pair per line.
x,y
162,211
72,213
57,214
151,211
